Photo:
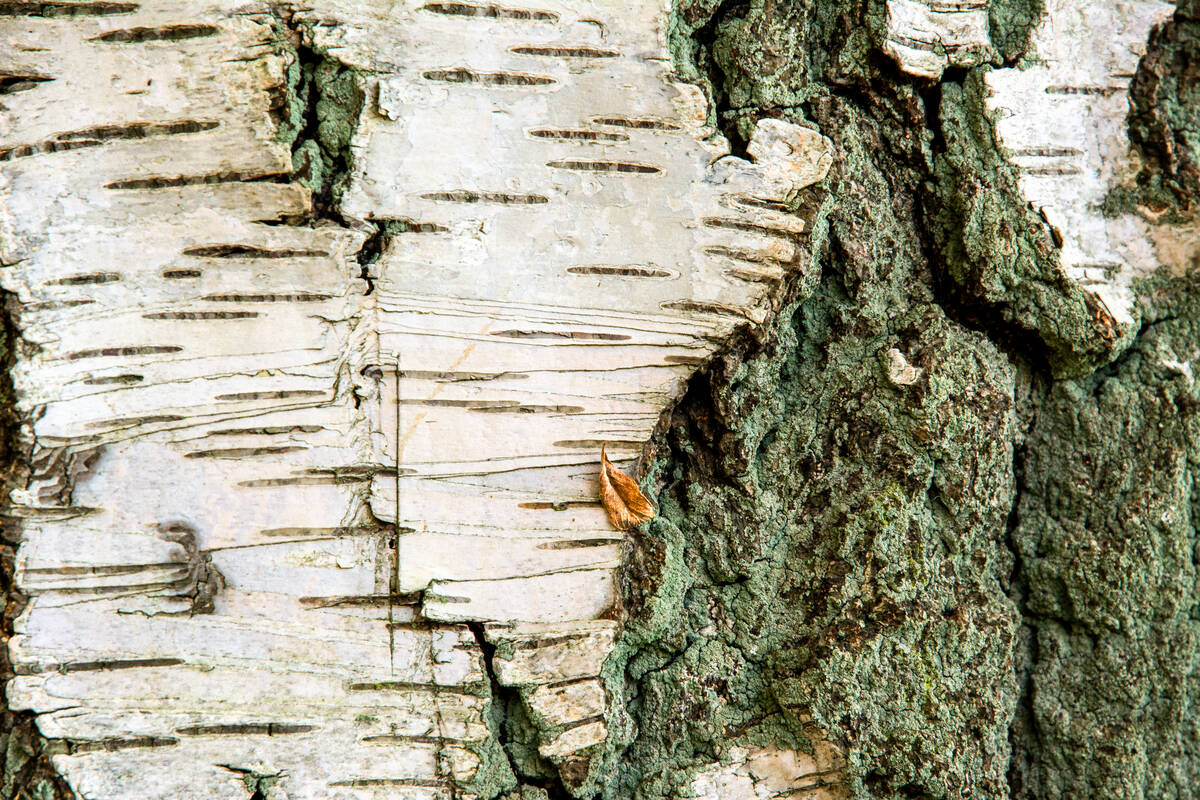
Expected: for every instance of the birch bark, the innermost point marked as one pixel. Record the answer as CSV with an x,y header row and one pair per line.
x,y
279,500
322,314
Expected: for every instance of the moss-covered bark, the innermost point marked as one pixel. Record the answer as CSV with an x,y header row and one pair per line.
x,y
843,555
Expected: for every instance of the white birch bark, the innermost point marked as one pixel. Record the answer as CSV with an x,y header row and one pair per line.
x,y
264,498
927,36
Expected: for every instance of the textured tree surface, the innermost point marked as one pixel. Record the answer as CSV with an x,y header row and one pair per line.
x,y
925,516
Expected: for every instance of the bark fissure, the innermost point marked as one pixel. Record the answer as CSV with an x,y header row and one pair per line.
x,y
318,113
515,732
703,42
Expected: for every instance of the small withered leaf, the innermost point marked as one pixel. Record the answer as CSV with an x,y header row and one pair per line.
x,y
622,499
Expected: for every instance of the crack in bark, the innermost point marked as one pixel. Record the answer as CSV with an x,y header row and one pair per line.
x,y
705,40
522,756
26,753
318,111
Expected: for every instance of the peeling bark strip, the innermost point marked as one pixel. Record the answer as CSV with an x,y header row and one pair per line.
x,y
256,537
927,36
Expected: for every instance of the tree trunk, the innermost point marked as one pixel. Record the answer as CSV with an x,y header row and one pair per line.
x,y
320,317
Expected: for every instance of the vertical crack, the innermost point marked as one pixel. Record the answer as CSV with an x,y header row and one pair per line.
x,y
25,753
318,111
370,252
1026,645
702,66
515,731
318,114
706,40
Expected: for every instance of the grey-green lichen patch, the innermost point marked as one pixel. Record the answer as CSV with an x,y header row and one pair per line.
x,y
689,50
1010,23
334,100
762,58
527,793
1164,123
259,784
832,554
828,559
511,767
783,60
28,771
999,254
318,112
494,776
521,736
1107,540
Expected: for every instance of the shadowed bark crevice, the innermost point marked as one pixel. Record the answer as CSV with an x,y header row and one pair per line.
x,y
516,733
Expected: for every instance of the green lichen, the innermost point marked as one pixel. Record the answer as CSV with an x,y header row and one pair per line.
x,y
833,556
828,559
527,793
760,58
774,58
1164,124
1010,24
690,46
522,735
1000,253
292,97
322,158
1108,542
494,776
309,165
259,784
318,112
511,765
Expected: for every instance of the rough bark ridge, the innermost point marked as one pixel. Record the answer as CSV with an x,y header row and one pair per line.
x,y
929,535
898,523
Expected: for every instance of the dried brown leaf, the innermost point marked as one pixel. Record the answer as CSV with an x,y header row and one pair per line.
x,y
622,499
